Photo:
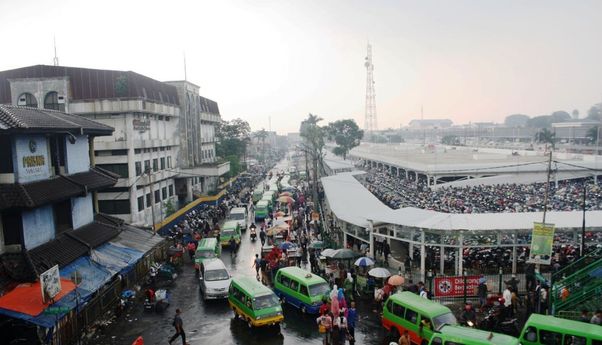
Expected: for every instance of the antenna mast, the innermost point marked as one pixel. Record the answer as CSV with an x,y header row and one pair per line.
x,y
370,123
185,76
55,60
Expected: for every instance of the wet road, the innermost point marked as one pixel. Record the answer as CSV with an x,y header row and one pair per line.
x,y
212,322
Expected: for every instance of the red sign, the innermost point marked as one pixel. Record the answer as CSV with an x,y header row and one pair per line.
x,y
454,286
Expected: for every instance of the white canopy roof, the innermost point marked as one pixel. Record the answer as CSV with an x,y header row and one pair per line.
x,y
352,202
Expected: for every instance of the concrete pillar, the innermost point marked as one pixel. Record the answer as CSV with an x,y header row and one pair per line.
x,y
371,238
189,195
442,260
407,175
411,245
344,239
422,257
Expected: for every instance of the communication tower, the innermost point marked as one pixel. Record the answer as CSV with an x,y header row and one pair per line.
x,y
370,124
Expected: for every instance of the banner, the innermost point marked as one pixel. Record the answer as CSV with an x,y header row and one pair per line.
x,y
542,239
454,286
50,282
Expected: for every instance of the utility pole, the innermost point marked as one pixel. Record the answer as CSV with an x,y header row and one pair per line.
x,y
582,249
152,194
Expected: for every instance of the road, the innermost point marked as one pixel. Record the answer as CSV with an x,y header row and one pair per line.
x,y
212,322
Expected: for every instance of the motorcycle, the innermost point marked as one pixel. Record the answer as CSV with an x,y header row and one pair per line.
x,y
253,234
494,321
161,274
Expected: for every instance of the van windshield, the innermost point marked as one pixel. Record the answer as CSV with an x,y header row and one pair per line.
x,y
265,301
445,319
215,275
318,289
228,232
205,253
237,216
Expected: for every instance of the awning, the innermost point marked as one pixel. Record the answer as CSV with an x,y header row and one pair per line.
x,y
116,258
27,298
137,238
89,275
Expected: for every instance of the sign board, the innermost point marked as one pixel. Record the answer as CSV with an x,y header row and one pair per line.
x,y
454,286
56,310
542,239
141,125
32,158
50,281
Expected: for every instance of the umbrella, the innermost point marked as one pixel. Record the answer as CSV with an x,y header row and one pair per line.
x,y
285,199
287,245
316,245
396,280
345,254
276,229
364,261
286,194
379,272
328,252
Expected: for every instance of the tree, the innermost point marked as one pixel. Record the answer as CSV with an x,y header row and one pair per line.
x,y
450,140
546,136
232,138
560,116
346,134
575,114
313,144
594,113
261,136
169,208
592,134
516,120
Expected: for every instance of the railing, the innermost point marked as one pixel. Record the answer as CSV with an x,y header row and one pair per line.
x,y
584,286
578,264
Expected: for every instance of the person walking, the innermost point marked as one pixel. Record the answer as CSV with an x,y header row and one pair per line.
x,y
482,292
351,319
405,338
257,265
262,236
325,325
179,326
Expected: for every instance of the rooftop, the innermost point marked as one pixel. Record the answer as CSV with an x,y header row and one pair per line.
x,y
17,119
420,303
252,286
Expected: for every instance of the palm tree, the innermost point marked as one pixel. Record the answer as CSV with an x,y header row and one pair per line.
x,y
261,136
546,136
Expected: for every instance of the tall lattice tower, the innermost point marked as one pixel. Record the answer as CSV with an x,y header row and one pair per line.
x,y
370,124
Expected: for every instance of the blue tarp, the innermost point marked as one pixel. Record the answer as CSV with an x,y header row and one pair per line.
x,y
90,275
116,258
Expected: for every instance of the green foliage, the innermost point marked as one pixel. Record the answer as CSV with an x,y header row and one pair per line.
x,y
169,208
450,140
261,136
346,134
546,136
235,166
121,86
516,120
592,134
232,138
545,121
594,113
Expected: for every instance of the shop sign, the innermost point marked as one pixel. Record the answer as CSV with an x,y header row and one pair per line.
x,y
542,239
32,158
454,286
141,125
50,281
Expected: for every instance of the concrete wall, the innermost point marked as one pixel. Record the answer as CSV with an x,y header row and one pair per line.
x,y
38,226
26,147
39,87
82,211
77,158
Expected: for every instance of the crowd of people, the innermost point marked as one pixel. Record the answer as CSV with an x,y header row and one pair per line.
x,y
397,192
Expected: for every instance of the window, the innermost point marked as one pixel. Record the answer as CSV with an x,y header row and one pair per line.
x,y
119,169
162,160
155,149
294,285
390,306
550,338
574,340
62,216
162,148
137,151
411,316
398,310
286,281
27,100
157,196
54,102
148,200
155,165
6,157
164,192
119,152
138,168
140,203
171,190
437,341
531,334
169,162
146,165
114,206
303,290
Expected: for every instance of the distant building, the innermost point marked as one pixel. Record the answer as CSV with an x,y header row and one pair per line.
x,y
430,123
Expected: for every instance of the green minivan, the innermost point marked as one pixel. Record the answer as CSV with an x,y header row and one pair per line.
x,y
229,230
268,199
257,194
253,302
419,316
301,288
270,194
550,330
261,210
455,335
208,248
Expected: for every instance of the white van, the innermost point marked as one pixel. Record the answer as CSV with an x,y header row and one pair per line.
x,y
214,279
239,214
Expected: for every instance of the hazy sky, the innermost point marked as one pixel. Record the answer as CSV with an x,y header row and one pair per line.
x,y
466,60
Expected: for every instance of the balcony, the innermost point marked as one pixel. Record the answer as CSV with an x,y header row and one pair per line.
x,y
210,117
207,169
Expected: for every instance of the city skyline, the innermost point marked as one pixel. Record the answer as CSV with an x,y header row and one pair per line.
x,y
467,61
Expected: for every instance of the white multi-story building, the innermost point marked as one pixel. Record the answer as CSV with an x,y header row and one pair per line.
x,y
144,149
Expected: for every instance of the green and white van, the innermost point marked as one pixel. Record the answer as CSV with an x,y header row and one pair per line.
x,y
254,303
257,194
455,335
269,200
208,248
421,317
550,330
229,230
262,210
301,288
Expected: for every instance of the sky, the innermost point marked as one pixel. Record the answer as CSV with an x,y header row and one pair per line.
x,y
467,60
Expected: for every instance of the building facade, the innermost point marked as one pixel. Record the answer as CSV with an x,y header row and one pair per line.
x,y
145,148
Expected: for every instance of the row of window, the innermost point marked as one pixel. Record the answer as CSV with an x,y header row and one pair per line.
x,y
161,194
153,149
158,164
52,100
